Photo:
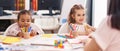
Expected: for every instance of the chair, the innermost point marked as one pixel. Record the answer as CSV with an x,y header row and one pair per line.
x,y
63,20
48,23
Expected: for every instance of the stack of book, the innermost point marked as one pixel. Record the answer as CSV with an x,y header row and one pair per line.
x,y
20,4
34,5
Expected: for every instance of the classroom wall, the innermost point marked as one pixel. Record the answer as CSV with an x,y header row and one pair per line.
x,y
99,11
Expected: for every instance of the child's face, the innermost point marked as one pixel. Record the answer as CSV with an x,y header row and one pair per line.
x,y
24,20
79,16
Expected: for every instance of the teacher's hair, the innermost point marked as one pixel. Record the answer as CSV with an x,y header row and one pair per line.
x,y
114,12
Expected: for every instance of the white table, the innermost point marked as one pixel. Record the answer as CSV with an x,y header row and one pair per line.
x,y
38,39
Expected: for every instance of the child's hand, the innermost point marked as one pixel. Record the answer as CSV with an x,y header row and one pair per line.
x,y
90,30
93,29
33,33
75,34
26,35
20,34
83,33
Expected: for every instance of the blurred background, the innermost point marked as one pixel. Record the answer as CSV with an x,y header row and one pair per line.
x,y
51,14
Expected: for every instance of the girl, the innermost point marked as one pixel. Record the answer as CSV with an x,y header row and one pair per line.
x,y
23,27
75,25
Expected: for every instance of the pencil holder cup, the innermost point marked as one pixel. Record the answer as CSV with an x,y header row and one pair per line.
x,y
26,35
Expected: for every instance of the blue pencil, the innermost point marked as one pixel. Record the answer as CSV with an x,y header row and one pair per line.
x,y
29,29
61,36
71,27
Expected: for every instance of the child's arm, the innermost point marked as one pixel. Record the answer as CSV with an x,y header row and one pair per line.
x,y
93,29
33,33
20,34
89,29
83,33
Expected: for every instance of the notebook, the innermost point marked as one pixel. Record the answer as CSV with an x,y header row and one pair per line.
x,y
10,40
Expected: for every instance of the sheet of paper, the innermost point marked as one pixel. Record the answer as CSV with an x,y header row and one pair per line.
x,y
48,35
74,40
48,41
76,46
10,40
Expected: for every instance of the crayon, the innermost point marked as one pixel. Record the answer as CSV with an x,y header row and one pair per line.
x,y
29,29
71,28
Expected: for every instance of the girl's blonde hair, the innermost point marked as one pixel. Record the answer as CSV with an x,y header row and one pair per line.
x,y
72,12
